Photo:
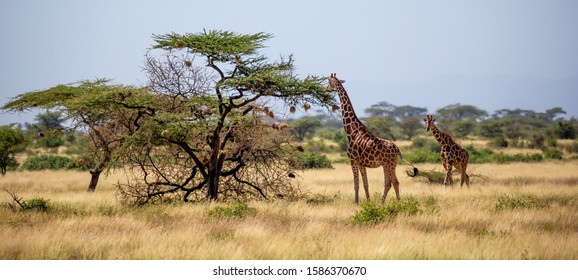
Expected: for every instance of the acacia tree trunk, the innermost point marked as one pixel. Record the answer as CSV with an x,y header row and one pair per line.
x,y
94,176
213,184
96,171
214,172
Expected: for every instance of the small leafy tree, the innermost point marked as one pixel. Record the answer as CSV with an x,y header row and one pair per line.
x,y
566,130
304,126
10,143
48,129
107,112
382,126
411,126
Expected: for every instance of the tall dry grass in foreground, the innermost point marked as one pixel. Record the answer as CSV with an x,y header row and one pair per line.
x,y
523,211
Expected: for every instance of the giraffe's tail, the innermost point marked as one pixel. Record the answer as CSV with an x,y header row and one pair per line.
x,y
415,170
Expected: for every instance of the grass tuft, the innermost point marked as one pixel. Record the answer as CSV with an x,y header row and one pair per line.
x,y
506,202
235,211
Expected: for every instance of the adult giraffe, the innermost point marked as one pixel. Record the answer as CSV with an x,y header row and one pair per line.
x,y
365,149
452,154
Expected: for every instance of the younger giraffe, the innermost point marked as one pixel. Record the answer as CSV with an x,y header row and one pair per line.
x,y
452,154
365,149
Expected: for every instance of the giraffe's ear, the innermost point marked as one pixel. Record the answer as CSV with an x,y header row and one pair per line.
x,y
342,81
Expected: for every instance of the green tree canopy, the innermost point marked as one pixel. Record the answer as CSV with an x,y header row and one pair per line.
x,y
304,126
10,143
107,112
455,112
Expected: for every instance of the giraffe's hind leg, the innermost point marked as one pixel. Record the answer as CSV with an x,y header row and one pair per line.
x,y
390,179
465,177
395,183
387,182
365,183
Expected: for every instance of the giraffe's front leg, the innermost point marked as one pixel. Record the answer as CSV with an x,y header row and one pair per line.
x,y
365,183
448,178
355,170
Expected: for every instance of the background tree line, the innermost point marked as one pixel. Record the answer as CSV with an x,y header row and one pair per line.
x,y
515,128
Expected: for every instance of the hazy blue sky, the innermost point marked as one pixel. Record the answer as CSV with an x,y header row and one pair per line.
x,y
374,45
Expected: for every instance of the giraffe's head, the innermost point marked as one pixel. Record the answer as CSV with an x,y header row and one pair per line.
x,y
429,120
333,82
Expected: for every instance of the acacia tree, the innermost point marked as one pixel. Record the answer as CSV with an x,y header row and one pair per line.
x,y
108,113
212,132
10,143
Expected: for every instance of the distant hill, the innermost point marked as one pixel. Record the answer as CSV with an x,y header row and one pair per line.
x,y
489,93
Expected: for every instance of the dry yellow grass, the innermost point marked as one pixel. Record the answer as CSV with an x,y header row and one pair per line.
x,y
454,224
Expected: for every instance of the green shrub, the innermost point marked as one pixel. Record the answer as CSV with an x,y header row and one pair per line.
x,y
499,142
525,202
318,147
372,213
50,141
36,204
552,153
53,162
313,161
236,211
479,156
503,158
409,206
426,145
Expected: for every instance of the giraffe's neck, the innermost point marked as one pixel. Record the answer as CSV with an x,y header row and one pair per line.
x,y
351,123
439,135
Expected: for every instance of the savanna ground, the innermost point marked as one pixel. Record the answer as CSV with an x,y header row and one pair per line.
x,y
518,211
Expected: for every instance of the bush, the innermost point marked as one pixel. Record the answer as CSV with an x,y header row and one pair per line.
x,y
318,147
50,141
552,153
565,130
503,158
525,202
499,142
371,213
53,162
36,204
313,161
479,156
409,206
236,211
426,145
